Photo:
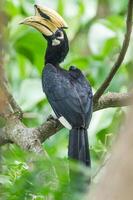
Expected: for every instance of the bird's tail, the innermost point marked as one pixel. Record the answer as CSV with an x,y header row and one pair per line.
x,y
78,148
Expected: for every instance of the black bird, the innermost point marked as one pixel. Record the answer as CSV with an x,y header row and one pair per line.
x,y
68,92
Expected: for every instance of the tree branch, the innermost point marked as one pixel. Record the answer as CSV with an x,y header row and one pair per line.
x,y
113,100
31,138
3,138
121,56
18,133
49,128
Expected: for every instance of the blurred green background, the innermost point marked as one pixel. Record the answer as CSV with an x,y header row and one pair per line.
x,y
96,31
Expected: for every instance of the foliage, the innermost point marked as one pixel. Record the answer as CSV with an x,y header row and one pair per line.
x,y
95,39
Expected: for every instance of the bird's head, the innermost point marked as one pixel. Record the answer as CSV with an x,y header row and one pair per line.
x,y
52,26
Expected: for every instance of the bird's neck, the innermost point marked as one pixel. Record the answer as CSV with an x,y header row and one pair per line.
x,y
56,54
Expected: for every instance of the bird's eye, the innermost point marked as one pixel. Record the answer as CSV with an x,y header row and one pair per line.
x,y
59,34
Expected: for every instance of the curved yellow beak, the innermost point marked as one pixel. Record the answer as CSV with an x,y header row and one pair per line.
x,y
46,20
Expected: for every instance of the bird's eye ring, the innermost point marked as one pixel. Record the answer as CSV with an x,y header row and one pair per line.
x,y
59,34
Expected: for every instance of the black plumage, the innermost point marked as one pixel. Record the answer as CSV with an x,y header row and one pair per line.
x,y
70,96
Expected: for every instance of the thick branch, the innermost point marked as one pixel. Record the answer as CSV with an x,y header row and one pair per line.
x,y
114,100
121,56
3,138
31,138
49,128
18,133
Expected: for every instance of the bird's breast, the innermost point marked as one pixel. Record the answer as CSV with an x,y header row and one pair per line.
x,y
55,83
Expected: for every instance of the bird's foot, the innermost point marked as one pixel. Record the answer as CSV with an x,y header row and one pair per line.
x,y
50,117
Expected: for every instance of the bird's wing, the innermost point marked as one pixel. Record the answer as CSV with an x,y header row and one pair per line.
x,y
69,96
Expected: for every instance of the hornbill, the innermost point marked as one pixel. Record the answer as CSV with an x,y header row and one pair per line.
x,y
67,91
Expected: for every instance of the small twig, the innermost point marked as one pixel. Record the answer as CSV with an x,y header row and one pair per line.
x,y
121,56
